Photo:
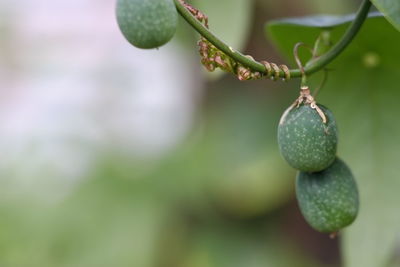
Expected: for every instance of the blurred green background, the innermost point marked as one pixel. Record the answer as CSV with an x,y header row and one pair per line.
x,y
115,156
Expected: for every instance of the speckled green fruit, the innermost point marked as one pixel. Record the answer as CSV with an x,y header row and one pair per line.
x,y
147,23
305,142
328,199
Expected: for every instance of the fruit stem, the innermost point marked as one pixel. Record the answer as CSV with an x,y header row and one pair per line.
x,y
256,66
333,235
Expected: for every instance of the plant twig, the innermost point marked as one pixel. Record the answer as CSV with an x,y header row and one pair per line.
x,y
315,66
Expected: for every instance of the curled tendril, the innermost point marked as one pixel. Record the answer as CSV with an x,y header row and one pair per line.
x,y
213,58
276,72
267,67
286,71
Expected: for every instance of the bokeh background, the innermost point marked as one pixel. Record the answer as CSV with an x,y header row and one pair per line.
x,y
116,156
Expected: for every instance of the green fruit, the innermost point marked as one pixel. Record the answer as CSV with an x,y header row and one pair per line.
x,y
328,199
147,23
305,142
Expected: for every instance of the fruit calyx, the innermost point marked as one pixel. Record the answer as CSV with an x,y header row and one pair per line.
x,y
305,98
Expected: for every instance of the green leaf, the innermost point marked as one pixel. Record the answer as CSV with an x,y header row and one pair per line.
x,y
319,21
363,92
391,10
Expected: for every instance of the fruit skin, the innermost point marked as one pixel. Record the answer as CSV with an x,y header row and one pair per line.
x,y
305,142
328,199
147,23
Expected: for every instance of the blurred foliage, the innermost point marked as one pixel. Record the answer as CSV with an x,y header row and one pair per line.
x,y
330,7
203,205
362,92
237,12
222,197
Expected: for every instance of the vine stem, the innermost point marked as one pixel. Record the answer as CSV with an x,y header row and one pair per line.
x,y
318,64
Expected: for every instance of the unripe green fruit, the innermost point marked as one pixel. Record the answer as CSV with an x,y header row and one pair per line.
x,y
305,141
147,23
328,199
